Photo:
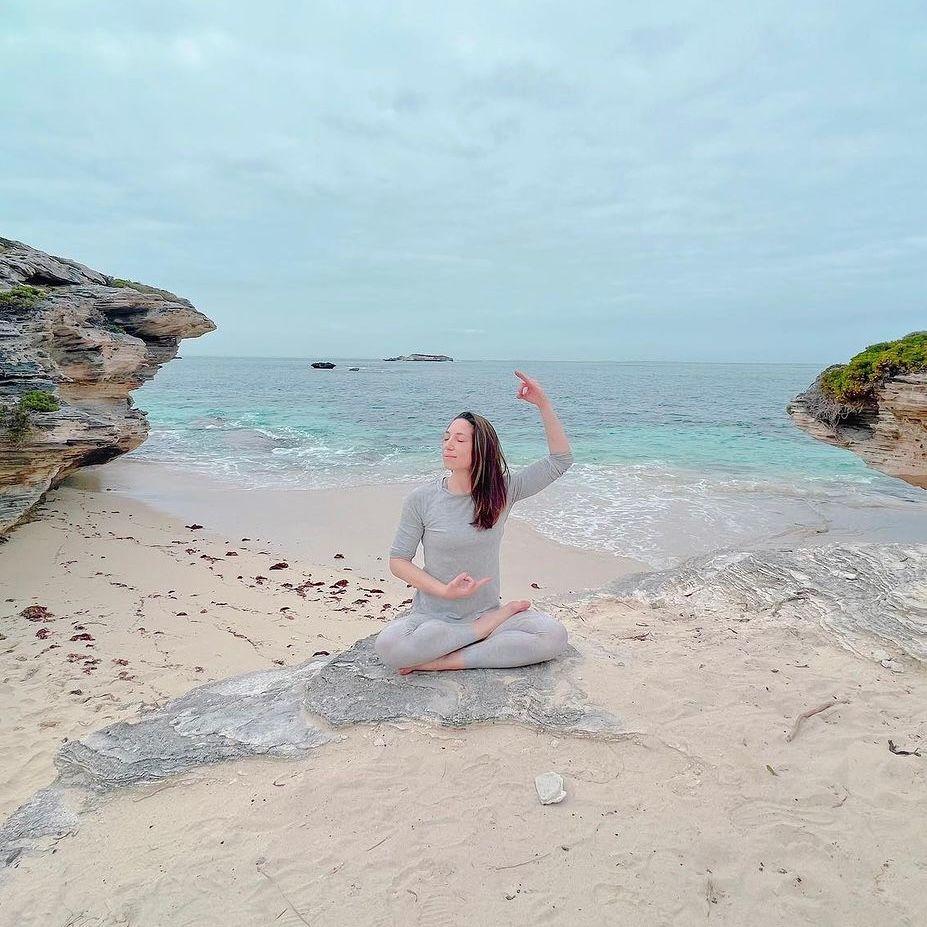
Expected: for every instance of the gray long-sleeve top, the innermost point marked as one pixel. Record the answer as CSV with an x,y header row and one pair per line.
x,y
439,519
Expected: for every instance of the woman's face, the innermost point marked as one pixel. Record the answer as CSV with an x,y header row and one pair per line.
x,y
457,445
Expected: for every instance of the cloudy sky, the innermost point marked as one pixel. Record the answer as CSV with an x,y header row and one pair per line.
x,y
669,181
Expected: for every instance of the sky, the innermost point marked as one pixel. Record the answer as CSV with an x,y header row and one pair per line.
x,y
612,181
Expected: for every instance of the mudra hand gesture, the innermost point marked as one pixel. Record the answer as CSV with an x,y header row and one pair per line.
x,y
530,390
463,585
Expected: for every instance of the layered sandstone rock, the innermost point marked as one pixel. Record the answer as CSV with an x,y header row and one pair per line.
x,y
88,339
889,432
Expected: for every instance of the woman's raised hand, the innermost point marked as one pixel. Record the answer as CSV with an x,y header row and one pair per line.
x,y
463,585
530,390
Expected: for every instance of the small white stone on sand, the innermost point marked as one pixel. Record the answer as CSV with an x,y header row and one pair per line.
x,y
549,786
892,665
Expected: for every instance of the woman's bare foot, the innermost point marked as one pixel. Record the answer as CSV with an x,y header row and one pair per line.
x,y
489,621
450,661
484,625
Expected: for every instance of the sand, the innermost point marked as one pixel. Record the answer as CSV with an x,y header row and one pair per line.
x,y
704,813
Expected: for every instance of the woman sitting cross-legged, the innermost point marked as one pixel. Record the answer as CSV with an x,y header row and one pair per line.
x,y
456,620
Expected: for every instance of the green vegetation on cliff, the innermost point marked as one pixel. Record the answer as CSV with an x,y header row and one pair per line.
x,y
17,418
20,296
855,381
38,400
122,283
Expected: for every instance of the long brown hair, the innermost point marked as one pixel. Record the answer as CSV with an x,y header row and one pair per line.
x,y
488,470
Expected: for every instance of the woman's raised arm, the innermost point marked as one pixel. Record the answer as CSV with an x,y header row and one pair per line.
x,y
540,474
529,390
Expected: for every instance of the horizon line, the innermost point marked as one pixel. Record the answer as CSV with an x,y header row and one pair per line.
x,y
477,360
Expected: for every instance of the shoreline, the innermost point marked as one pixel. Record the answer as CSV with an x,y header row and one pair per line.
x,y
360,518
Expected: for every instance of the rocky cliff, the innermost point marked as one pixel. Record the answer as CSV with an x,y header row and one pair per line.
x,y
874,406
74,342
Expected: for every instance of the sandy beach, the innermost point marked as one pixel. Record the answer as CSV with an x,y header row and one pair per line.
x,y
700,811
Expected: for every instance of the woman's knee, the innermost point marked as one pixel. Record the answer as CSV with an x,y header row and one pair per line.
x,y
558,637
388,645
552,632
401,641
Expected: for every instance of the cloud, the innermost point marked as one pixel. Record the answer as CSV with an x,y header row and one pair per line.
x,y
539,171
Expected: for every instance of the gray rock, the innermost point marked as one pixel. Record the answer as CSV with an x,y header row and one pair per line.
x,y
270,713
355,686
48,814
255,714
419,357
857,593
265,713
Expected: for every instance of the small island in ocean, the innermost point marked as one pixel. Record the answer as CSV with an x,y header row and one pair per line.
x,y
420,357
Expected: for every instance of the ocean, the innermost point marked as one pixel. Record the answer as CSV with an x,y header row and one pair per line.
x,y
671,460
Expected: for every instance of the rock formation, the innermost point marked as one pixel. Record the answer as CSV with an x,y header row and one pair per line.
x,y
419,357
863,595
884,419
73,343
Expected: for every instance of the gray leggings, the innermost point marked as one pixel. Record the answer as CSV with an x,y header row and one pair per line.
x,y
531,636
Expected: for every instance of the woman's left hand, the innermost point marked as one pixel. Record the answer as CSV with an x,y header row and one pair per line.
x,y
530,390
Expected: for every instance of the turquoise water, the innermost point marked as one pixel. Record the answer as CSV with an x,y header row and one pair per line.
x,y
671,459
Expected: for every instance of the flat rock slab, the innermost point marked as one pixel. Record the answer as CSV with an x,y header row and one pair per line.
x,y
48,814
256,714
356,687
276,713
861,594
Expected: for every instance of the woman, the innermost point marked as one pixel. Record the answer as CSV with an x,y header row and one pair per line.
x,y
456,620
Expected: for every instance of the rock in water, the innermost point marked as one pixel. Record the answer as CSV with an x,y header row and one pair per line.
x,y
419,357
549,787
74,343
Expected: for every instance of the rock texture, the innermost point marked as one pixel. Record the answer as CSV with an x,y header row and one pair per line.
x,y
50,814
355,687
255,714
890,433
863,595
89,339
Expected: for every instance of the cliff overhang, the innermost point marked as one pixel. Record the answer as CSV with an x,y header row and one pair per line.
x,y
74,343
875,406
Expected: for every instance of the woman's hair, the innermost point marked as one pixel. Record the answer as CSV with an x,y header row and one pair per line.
x,y
488,470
